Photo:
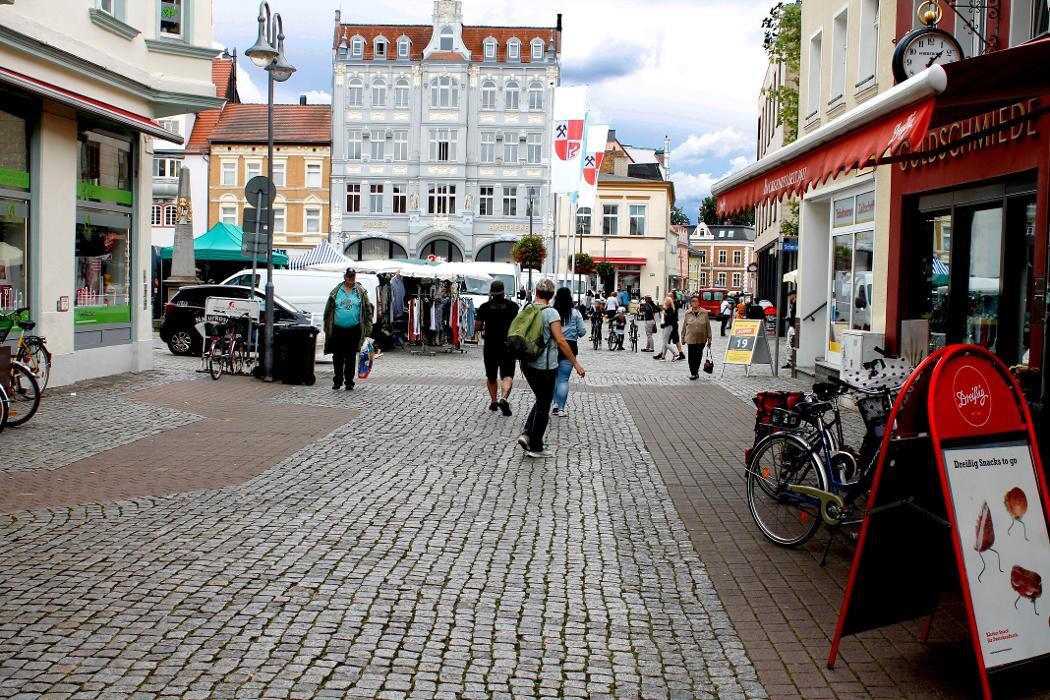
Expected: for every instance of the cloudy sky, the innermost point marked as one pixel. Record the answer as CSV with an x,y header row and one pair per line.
x,y
690,69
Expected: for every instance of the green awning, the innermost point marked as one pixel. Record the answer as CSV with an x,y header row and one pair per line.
x,y
222,242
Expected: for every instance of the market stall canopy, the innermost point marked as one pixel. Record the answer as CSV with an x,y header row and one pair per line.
x,y
222,242
889,127
325,252
406,268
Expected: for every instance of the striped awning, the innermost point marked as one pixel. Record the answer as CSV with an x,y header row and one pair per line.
x,y
324,253
939,268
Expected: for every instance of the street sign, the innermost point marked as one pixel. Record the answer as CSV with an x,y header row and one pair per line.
x,y
790,246
747,345
260,183
223,308
255,247
253,215
753,267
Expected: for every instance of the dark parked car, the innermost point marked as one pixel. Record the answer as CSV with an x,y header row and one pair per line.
x,y
186,309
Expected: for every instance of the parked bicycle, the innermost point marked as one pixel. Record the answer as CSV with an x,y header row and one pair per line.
x,y
227,349
30,350
632,333
803,474
19,396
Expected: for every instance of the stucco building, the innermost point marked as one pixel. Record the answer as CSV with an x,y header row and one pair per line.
x,y
723,255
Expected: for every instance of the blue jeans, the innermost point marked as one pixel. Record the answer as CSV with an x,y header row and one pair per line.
x,y
561,387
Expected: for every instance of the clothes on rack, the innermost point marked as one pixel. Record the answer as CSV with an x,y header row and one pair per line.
x,y
397,289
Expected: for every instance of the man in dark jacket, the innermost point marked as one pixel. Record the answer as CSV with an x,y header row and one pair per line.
x,y
347,322
494,318
649,313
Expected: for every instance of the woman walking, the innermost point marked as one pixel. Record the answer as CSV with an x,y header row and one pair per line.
x,y
573,329
696,332
668,329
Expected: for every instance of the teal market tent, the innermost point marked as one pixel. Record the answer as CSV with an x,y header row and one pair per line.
x,y
222,243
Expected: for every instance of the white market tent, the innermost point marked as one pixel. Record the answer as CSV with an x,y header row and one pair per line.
x,y
443,271
325,252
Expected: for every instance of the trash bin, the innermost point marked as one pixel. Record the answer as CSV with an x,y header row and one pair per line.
x,y
278,356
295,347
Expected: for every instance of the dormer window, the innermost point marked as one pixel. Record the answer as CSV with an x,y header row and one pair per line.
x,y
379,48
490,49
357,47
537,50
404,45
513,50
446,41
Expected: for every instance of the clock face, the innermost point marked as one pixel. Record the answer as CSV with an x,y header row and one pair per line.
x,y
926,50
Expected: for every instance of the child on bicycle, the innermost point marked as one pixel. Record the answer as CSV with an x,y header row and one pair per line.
x,y
620,324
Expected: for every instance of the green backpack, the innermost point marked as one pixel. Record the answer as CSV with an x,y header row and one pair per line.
x,y
525,337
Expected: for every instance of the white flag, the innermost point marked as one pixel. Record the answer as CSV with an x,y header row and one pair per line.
x,y
594,153
570,118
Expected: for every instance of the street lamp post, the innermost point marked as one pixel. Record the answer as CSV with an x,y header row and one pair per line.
x,y
268,53
530,236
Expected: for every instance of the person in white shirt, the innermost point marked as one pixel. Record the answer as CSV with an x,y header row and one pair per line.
x,y
726,313
611,304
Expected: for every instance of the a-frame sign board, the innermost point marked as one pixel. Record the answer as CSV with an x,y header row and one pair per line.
x,y
959,501
747,346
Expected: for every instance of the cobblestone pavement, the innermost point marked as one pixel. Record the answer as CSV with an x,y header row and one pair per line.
x,y
411,552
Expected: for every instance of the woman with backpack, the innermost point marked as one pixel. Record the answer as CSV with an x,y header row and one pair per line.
x,y
573,329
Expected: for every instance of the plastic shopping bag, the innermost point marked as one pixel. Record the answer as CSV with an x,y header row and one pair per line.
x,y
366,359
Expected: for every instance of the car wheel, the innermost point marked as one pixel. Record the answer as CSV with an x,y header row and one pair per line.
x,y
181,343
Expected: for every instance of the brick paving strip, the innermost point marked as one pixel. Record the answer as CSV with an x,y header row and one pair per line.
x,y
240,436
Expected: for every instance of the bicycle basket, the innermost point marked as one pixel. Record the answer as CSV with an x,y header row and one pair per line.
x,y
874,410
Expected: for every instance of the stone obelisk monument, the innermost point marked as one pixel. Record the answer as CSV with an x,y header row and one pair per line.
x,y
183,262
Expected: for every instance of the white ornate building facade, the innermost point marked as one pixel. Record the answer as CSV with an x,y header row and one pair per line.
x,y
441,137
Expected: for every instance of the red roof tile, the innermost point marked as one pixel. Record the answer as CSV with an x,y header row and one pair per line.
x,y
202,128
221,71
419,35
246,123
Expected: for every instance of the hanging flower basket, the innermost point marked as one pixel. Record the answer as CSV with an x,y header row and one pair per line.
x,y
530,253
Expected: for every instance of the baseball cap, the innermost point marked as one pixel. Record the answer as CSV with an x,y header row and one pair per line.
x,y
350,272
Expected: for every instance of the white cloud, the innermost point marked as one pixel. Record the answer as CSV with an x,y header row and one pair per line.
x,y
246,87
317,97
713,144
694,186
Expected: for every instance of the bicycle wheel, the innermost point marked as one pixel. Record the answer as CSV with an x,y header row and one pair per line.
x,y
215,360
778,461
3,407
36,357
236,364
611,340
23,395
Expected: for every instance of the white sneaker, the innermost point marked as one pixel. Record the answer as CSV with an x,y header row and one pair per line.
x,y
536,454
523,442
562,413
556,411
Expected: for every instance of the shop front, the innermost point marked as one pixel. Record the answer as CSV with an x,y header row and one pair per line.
x,y
629,275
15,195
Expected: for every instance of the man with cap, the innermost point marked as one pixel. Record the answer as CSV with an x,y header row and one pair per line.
x,y
649,312
494,317
347,322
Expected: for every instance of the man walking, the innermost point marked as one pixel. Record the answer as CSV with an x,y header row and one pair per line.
x,y
649,313
347,322
725,311
494,318
542,373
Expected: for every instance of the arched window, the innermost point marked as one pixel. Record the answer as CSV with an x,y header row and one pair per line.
x,y
512,97
496,252
156,214
446,39
379,49
404,47
401,94
490,49
444,92
537,50
375,249
357,47
442,248
355,93
488,95
536,95
513,50
171,215
379,93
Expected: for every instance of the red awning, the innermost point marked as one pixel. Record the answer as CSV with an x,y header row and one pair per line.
x,y
88,104
622,262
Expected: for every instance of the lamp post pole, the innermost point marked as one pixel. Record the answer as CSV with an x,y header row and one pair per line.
x,y
268,53
530,236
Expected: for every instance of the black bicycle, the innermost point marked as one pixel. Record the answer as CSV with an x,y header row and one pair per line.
x,y
632,333
596,332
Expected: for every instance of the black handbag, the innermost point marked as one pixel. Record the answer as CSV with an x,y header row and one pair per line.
x,y
709,364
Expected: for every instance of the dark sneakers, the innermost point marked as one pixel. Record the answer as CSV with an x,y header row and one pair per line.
x,y
493,406
505,407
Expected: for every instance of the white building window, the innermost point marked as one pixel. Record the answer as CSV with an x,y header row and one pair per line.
x,y
401,93
512,96
228,214
720,280
379,93
355,93
375,199
443,145
722,257
637,214
488,95
377,144
488,147
441,199
510,149
486,201
447,39
252,169
536,95
583,221
279,169
171,215
840,39
737,280
401,145
229,173
703,279
510,200
400,198
869,42
171,18
379,49
156,214
357,47
738,258
610,220
513,50
312,220
537,50
813,98
353,199
279,225
313,175
534,151
170,125
166,167
490,49
353,144
404,47
106,6
444,92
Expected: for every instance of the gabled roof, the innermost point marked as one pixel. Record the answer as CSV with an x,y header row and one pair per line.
x,y
473,37
202,128
224,77
730,233
246,123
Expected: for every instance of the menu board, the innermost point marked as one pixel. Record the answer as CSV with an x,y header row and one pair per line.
x,y
1005,546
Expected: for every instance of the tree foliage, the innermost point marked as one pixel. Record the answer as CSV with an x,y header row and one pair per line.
x,y
789,219
584,264
529,252
606,273
709,214
783,44
678,217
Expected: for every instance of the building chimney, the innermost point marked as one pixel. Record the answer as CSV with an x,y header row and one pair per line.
x,y
302,99
667,157
612,135
558,27
621,165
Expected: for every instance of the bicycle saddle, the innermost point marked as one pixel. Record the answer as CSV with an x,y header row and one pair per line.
x,y
809,408
27,325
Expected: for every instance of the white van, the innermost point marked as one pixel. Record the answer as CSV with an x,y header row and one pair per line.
x,y
307,290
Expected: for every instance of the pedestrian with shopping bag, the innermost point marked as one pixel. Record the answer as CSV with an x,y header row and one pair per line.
x,y
696,333
347,322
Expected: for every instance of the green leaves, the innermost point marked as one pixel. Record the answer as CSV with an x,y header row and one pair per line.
x,y
530,252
